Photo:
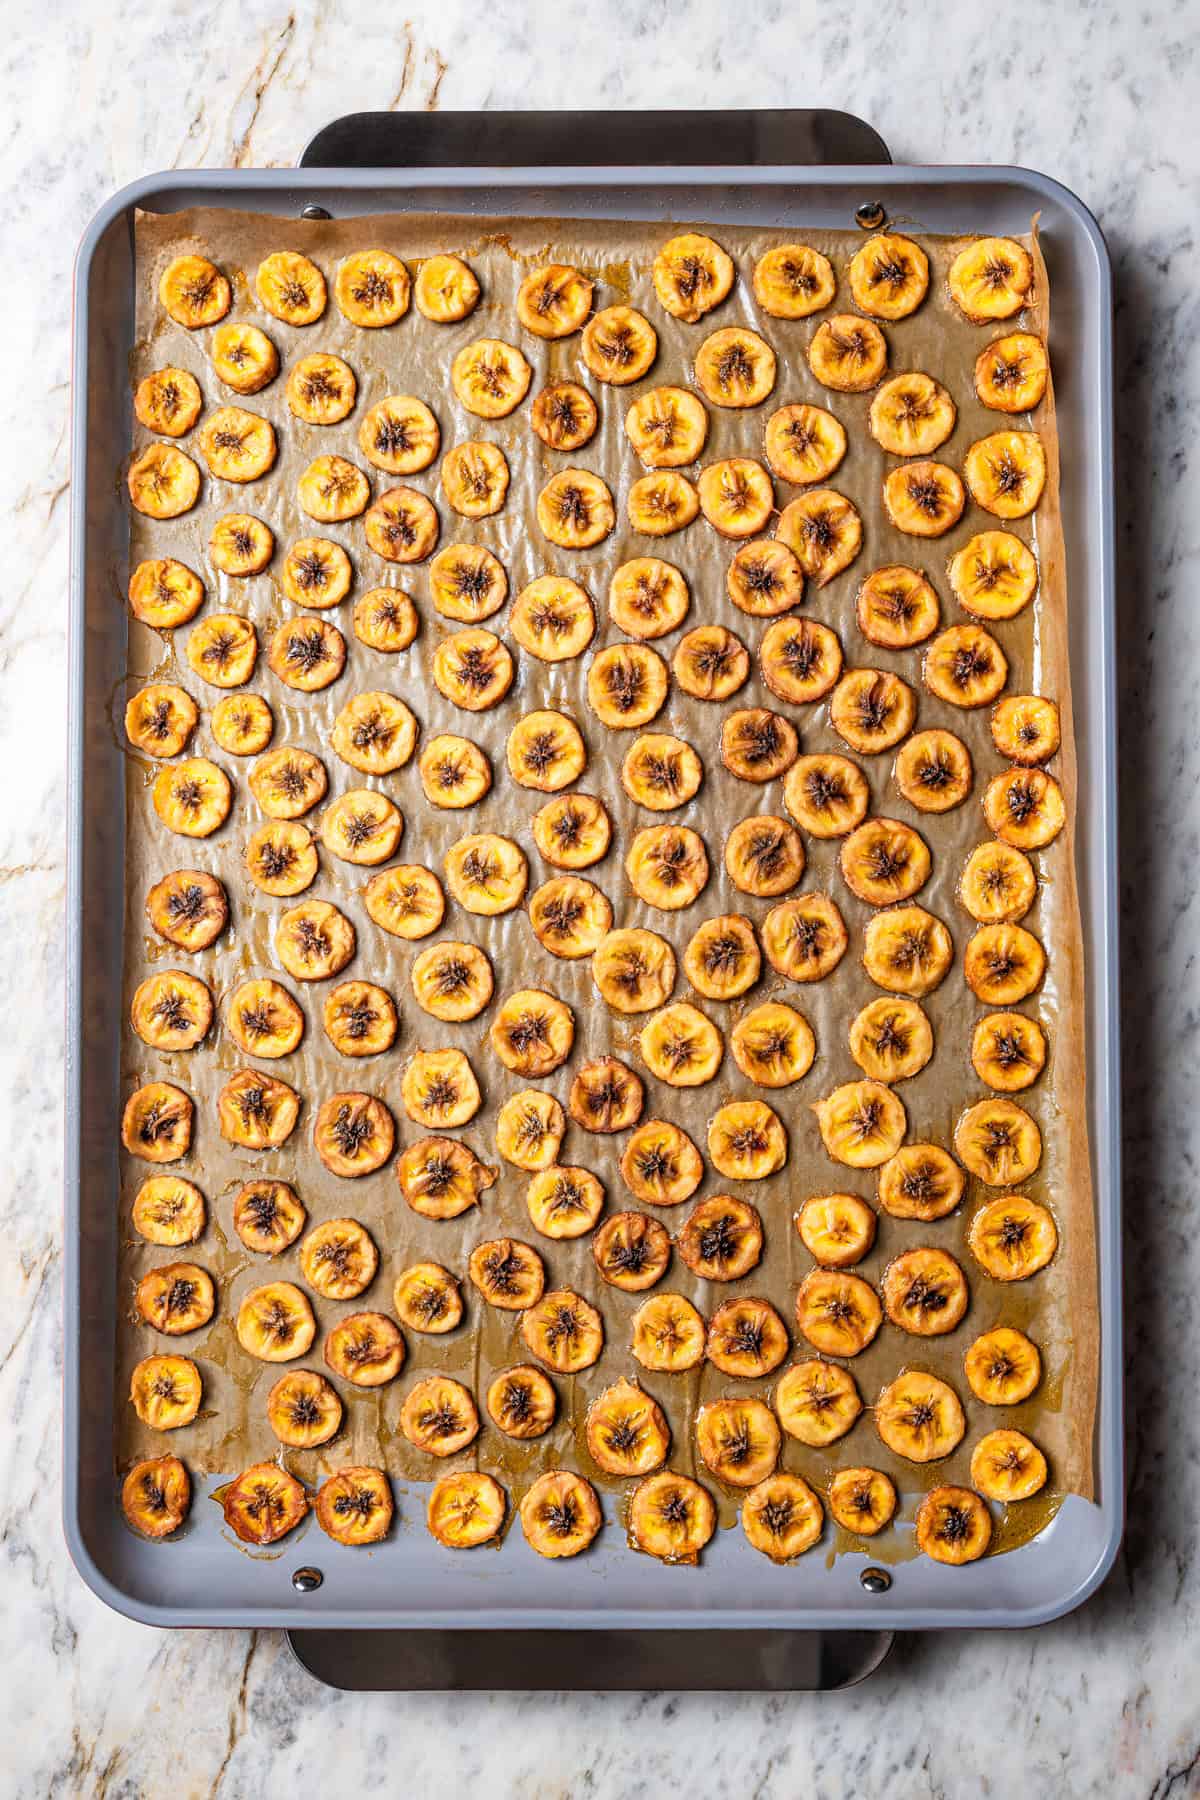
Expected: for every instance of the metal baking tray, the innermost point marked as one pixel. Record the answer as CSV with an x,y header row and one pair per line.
x,y
558,168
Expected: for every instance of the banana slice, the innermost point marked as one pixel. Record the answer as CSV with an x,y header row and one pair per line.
x,y
321,389
912,415
692,274
1006,1465
924,499
474,479
661,503
333,490
510,1275
667,427
467,583
1025,808
897,607
805,938
164,593
660,1165
1008,1051
176,1298
747,1140
242,724
862,1123
553,618
455,773
735,367
764,856
545,751
793,281
837,1230
168,401
572,832
736,496
757,744
824,530
739,1440
1003,964
268,1216
570,917
965,666
223,650
1025,729
366,1349
565,416
533,1033
671,1517
884,860
998,885
575,509
925,1292
529,1129
933,771
165,1391
563,1330
314,940
405,901
992,278
275,1323
631,1251
681,1046
661,772
783,1517
619,345
994,575
1012,1237
372,288
998,1142
746,1338
817,1402
244,358
907,951
402,526
606,1096
169,1210
891,1040
722,1238
189,908
487,874
473,669
722,960
554,301
490,378
171,1011
560,1515
194,292
804,444
193,797
1003,1367
441,1178
634,970
921,1181
156,1496
263,1019
353,1134
1006,473
439,1089
288,783
765,579
257,1111
522,1402
307,654
163,483
428,1298
564,1202
362,827
668,1334
953,1526
626,1432
355,1507
399,435
711,663
303,1410
466,1509
647,597
446,289
667,866
1011,374
862,1500
872,710
338,1259
800,660
439,1416
848,354
828,795
773,1045
920,1417
375,733
889,276
837,1312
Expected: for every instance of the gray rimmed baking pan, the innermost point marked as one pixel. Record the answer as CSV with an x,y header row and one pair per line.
x,y
417,1586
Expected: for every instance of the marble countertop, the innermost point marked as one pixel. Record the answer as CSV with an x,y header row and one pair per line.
x,y
1104,97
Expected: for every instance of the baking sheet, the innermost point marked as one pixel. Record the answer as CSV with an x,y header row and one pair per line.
x,y
1058,1307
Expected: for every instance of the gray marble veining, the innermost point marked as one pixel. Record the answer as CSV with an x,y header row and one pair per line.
x,y
1103,95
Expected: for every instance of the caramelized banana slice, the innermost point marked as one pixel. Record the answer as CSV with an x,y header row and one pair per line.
x,y
572,832
490,378
739,1440
223,650
667,427
166,1391
824,531
168,401
156,1496
746,1140
661,772
452,981
1008,1051
575,509
407,901
626,1432
837,1230
428,1298
606,1096
176,1298
169,1211
626,686
263,1019
244,358
486,873
671,1517
953,1526
1006,1465
529,1129
920,1417
907,951
1024,807
510,1275
817,1402
891,1040
862,1500
998,1142
353,1134
338,1259
194,292
681,1046
746,1338
933,771
157,1122
848,354
897,607
314,940
303,1410
399,435
862,1123
1011,374
366,1349
354,1506
533,1033
765,579
307,654
805,939
257,1110
475,479
560,1515
925,1292
884,860
545,751
722,959
992,278
912,415
998,885
439,1089
1003,964
281,859
773,1045
764,856
660,1164
446,289
922,1181
189,908
647,598
722,1238
735,367
467,583
466,1509
994,575
619,345
1003,1367
924,499
800,660
554,301
889,276
372,289
237,445
792,281
828,795
804,444
631,1251
268,1216
163,482
965,666
242,724
565,416
783,1517
692,275
441,1178
362,827
164,593
736,496
838,1313
455,773
668,1334
1006,473
375,733
321,389
402,526
661,502
275,1323
564,1331
439,1416
667,866
172,1011
553,619
291,288
522,1403
757,744
288,783
634,970
1025,729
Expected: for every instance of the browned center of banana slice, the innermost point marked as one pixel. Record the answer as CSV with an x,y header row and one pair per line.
x,y
321,389
166,1391
668,1334
365,1349
441,1178
626,1431
907,951
1003,1367
922,1181
402,526
723,960
735,367
681,1046
920,1417
848,354
176,1298
925,1292
746,1338
992,278
564,1330
307,654
560,1515
739,1440
522,1402
897,607
168,401
606,1096
533,1032
692,274
510,1275
817,1402
792,281
194,292
828,795
1011,374
661,1165
805,938
783,1517
671,1517
965,666
862,1500
1025,808
169,1210
722,1238
953,1525
564,1202
889,276
439,1416
257,1111
399,435
619,345
758,744
359,1018
804,444
667,427
565,416
156,1496
998,1142
631,1251
164,593
800,660
824,530
355,1506
934,771
466,1509
837,1312
554,301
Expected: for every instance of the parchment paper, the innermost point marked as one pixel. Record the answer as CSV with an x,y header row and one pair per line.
x,y
1058,1307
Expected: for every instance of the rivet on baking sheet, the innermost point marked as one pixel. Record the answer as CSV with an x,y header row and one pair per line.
x,y
876,1581
870,215
315,212
307,1581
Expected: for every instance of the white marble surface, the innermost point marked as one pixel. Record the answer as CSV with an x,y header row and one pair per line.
x,y
1101,94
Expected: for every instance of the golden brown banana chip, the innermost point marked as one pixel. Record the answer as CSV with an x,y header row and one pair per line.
x,y
164,593
1011,374
467,583
907,951
953,1526
746,1338
889,276
746,1140
268,1216
374,733
619,345
560,1515
773,1045
661,502
402,526
169,1210
681,1046
303,1410
631,1251
800,660
163,482
362,827
166,1391
490,378
920,1417
338,1259
667,866
189,908
243,357
439,1089
354,1507
1025,729
817,1402
160,719
563,1330
965,666
522,1402
275,1323
994,575
828,795
1006,1465
553,618
998,885
998,1142
661,772
739,1440
291,287
321,389
792,281
933,771
563,1201
156,1496
486,873
837,1230
848,354
314,940
353,1134
399,435
1003,1367
1003,964
475,479
529,1129
924,499
223,650
446,289
722,960
804,444
765,579
1025,808
156,1123
884,860
667,427
565,416
692,275
671,1517
736,496
992,278
925,1292
546,752
764,856
1008,1051
366,1349
668,1334
721,1239
626,1432
1006,472
554,301
575,509
288,783
804,938
660,1164
441,1178
176,1298
783,1517
757,744
405,901
912,415
862,1500
572,831
194,292
891,1040
242,724
168,401
263,1019
307,654
647,597
452,981
237,445
439,1416
455,773
862,1123
921,1181
710,663
606,1095
735,367
466,1509
824,530
533,1032
897,607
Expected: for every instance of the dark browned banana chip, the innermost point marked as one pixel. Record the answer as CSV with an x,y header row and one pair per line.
x,y
606,1096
